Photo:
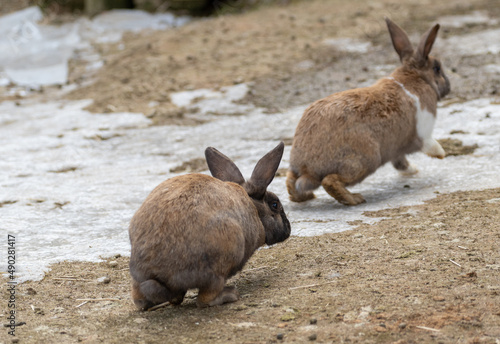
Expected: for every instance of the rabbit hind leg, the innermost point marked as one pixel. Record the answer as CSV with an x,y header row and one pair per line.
x,y
216,294
151,292
335,186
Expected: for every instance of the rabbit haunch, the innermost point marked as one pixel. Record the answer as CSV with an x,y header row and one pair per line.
x,y
345,137
196,231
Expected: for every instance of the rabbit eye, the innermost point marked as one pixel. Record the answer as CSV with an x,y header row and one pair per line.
x,y
274,205
437,69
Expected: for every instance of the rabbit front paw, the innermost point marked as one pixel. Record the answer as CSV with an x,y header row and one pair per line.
x,y
433,149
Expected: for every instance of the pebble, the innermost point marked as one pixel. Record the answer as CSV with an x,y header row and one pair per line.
x,y
113,263
313,336
402,325
279,336
103,280
59,310
313,321
140,320
38,310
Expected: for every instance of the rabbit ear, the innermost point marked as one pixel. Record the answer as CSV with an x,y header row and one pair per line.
x,y
222,167
400,40
264,172
426,42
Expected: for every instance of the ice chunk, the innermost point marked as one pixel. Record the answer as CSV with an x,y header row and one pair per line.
x,y
476,17
34,55
109,26
348,45
476,43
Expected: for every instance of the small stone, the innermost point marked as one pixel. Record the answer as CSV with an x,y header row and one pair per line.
x,y
117,255
59,310
438,298
380,329
113,263
313,336
103,280
288,317
110,108
280,336
31,291
15,340
140,320
313,321
38,310
402,325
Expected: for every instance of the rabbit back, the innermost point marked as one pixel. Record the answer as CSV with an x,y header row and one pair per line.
x,y
191,228
347,132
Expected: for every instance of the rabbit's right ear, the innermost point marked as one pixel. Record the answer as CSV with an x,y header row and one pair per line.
x,y
426,42
400,40
264,172
222,167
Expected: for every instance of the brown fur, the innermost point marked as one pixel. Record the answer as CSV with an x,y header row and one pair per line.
x,y
195,231
345,137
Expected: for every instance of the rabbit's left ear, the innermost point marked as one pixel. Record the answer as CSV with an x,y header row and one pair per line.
x,y
264,172
222,167
400,40
426,42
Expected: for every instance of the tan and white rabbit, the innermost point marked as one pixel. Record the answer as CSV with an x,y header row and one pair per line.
x,y
196,231
345,137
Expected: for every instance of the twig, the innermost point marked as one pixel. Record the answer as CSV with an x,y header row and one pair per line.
x,y
463,248
455,263
159,306
311,285
71,279
427,328
253,269
81,304
93,300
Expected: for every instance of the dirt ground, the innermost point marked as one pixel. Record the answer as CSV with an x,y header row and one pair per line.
x,y
422,274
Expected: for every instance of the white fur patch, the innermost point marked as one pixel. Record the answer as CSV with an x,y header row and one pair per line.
x,y
432,148
425,122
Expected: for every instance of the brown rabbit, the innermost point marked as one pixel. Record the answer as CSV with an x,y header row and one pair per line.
x,y
196,231
345,137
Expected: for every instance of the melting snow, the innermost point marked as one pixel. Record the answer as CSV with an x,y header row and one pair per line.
x,y
71,180
77,178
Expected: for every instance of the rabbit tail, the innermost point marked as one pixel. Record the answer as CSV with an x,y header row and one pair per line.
x,y
300,188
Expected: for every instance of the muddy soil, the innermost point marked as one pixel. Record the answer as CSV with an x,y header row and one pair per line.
x,y
281,51
423,274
